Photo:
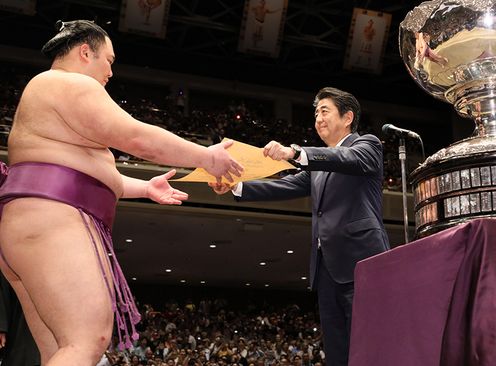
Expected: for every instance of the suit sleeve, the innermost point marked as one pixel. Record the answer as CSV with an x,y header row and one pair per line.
x,y
289,187
363,157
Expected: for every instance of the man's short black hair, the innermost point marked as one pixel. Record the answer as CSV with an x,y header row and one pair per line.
x,y
343,101
71,34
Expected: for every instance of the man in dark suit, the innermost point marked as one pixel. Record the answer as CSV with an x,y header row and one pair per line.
x,y
344,180
17,345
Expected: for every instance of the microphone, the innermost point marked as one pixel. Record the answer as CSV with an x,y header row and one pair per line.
x,y
389,129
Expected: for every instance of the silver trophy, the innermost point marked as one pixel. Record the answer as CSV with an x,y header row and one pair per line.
x,y
449,48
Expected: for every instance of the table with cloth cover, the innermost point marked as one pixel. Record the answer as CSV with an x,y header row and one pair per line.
x,y
428,303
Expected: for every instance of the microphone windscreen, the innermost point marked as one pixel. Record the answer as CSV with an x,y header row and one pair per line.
x,y
386,127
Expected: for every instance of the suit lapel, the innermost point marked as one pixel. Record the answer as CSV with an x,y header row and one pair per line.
x,y
321,177
322,184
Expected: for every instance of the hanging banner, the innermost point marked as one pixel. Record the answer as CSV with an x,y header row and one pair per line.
x,y
144,17
27,7
262,27
367,40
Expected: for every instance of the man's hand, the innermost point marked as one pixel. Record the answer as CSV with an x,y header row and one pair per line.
x,y
159,190
3,339
277,151
222,188
223,165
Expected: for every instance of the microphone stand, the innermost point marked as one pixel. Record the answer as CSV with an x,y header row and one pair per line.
x,y
402,155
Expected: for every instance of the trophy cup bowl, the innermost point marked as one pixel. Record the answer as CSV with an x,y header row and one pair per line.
x,y
449,49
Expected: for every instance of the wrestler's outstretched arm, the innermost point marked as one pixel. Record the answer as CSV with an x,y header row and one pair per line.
x,y
157,189
91,112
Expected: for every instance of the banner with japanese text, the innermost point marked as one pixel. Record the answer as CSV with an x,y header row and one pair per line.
x,y
262,27
367,40
144,17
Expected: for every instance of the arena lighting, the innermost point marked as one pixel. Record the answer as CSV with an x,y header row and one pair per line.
x,y
183,281
263,263
168,270
290,252
213,246
129,240
203,282
303,278
266,285
248,284
134,278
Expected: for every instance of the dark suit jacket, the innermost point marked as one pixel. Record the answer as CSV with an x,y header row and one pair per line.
x,y
20,347
345,184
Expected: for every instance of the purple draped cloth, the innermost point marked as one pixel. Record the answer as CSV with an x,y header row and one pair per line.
x,y
431,302
90,197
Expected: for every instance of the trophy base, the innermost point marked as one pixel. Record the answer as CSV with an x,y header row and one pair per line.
x,y
454,185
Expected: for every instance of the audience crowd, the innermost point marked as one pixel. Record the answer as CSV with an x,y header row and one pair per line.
x,y
205,125
213,333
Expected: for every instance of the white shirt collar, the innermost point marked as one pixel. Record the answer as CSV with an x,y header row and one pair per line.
x,y
342,140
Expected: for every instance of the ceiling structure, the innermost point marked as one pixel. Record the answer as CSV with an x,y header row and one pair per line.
x,y
202,39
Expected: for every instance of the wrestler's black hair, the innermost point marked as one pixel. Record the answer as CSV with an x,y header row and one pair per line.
x,y
343,101
71,34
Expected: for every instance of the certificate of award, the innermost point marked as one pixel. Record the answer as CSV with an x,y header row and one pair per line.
x,y
256,165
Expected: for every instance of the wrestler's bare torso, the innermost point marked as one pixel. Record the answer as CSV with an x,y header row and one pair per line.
x,y
40,133
50,260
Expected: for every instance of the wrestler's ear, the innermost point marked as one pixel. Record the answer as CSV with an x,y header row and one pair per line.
x,y
84,52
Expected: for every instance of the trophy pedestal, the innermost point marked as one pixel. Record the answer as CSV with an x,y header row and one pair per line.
x,y
456,184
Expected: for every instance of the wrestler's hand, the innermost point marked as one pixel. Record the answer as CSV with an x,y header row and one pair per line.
x,y
3,339
277,151
222,188
159,190
222,164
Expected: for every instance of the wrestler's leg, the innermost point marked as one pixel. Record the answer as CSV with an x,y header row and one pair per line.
x,y
57,266
42,335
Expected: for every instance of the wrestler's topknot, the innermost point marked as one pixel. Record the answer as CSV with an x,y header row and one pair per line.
x,y
71,34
